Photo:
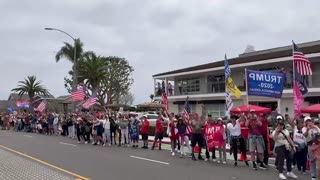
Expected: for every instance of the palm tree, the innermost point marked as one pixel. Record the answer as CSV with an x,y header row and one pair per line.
x,y
151,97
92,70
32,87
67,51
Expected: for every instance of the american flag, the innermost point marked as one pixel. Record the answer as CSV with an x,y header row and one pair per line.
x,y
90,101
78,95
186,110
301,62
42,106
165,101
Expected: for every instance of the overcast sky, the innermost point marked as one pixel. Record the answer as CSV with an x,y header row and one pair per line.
x,y
153,35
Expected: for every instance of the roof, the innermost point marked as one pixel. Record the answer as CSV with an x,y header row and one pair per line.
x,y
16,96
63,97
307,48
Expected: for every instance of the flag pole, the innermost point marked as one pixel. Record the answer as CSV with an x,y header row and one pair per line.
x,y
247,98
293,74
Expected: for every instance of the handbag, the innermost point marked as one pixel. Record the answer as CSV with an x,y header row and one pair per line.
x,y
291,147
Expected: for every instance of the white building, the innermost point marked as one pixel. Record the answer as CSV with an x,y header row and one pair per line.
x,y
205,84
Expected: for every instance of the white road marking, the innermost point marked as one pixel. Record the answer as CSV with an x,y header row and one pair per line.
x,y
151,160
68,144
27,136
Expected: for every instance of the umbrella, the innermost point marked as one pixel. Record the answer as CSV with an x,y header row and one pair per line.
x,y
313,109
244,109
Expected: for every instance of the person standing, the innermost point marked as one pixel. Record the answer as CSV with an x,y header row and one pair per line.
x,y
172,134
134,132
309,132
300,143
237,140
315,150
284,148
197,133
184,137
123,125
256,142
50,124
113,130
107,130
145,131
159,131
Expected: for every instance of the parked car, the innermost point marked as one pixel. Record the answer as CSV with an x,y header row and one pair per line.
x,y
152,118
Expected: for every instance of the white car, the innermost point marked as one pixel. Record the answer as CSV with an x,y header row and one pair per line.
x,y
152,118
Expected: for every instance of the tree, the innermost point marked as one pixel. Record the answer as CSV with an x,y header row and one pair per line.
x,y
67,51
117,77
92,71
151,97
117,81
32,87
127,99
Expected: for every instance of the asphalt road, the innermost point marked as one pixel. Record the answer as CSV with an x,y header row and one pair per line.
x,y
119,163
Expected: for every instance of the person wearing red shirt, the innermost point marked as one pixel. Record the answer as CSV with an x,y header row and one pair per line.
x,y
159,132
173,134
145,132
264,132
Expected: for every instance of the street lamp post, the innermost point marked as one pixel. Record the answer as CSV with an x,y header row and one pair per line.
x,y
75,70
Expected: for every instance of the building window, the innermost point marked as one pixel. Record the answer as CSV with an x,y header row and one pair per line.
x,y
216,110
216,84
189,86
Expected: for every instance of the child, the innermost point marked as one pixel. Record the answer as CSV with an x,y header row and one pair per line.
x,y
315,149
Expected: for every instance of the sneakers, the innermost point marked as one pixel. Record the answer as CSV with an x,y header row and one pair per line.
x,y
206,159
214,159
236,163
86,142
181,156
193,158
254,166
246,162
224,162
78,142
172,154
281,176
291,175
200,158
262,166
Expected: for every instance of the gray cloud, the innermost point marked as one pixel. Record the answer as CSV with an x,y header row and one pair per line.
x,y
155,36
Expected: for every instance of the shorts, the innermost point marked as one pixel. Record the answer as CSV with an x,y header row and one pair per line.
x,y
33,125
256,146
144,136
197,139
99,130
159,136
50,126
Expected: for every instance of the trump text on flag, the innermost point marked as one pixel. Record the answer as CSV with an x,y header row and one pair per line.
x,y
265,83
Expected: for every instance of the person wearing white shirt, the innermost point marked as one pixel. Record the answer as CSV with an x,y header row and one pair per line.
x,y
309,132
237,140
106,133
300,143
284,147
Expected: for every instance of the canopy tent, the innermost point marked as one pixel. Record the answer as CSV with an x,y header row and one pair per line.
x,y
313,109
244,109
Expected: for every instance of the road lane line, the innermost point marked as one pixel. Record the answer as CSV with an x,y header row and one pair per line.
x,y
27,136
68,144
45,163
151,160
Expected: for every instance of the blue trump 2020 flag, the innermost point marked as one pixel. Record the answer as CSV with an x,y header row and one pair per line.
x,y
265,83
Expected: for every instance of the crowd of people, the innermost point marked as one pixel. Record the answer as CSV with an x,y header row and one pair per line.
x,y
246,132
